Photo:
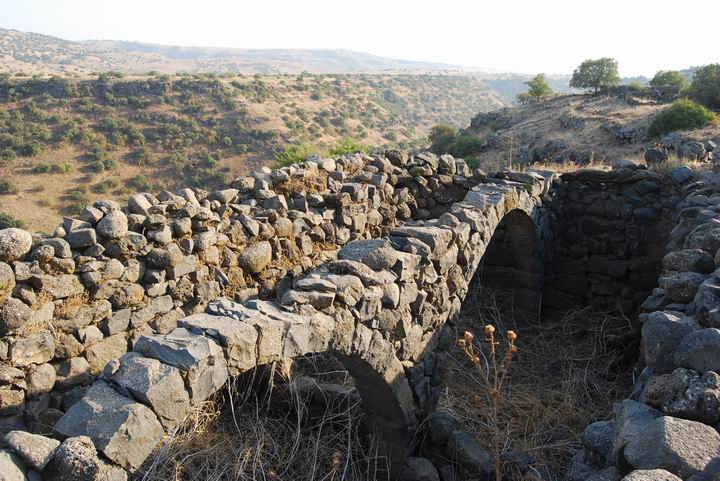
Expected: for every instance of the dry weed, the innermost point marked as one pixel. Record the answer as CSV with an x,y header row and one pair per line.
x,y
311,183
560,381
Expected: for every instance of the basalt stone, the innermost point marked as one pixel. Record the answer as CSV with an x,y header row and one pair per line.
x,y
686,394
153,383
651,475
34,349
14,244
419,469
82,238
256,257
468,453
125,431
689,260
681,287
679,446
238,339
700,350
201,359
13,314
662,333
378,254
37,451
12,468
113,226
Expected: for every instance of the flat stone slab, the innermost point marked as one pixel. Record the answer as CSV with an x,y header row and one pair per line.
x,y
200,358
238,339
122,429
35,450
157,385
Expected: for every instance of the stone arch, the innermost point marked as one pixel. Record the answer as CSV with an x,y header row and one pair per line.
x,y
514,261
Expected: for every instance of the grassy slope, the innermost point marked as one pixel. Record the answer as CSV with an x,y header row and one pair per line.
x,y
202,131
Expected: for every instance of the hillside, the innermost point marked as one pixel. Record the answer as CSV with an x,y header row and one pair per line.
x,y
64,142
570,129
32,53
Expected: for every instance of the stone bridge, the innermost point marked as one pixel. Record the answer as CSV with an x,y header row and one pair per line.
x,y
122,320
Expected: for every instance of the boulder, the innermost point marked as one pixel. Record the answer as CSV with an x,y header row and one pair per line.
x,y
37,451
679,446
377,254
14,313
239,339
686,394
689,260
419,469
12,468
651,475
99,354
201,359
7,281
124,430
34,349
82,238
662,333
631,417
256,257
468,453
700,350
14,244
154,384
682,286
40,379
113,226
597,440
77,460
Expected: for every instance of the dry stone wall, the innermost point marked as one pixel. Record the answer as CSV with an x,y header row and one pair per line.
x,y
86,310
115,326
668,427
609,235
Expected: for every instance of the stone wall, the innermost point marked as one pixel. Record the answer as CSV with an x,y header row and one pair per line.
x,y
609,235
668,428
74,302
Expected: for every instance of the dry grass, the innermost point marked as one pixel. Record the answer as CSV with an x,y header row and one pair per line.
x,y
255,430
311,183
562,380
562,167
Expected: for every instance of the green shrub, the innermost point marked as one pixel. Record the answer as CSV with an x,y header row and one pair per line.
x,y
7,221
104,186
681,115
7,187
295,153
465,145
347,146
441,136
78,199
140,183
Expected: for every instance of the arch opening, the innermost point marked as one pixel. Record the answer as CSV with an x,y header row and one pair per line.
x,y
514,263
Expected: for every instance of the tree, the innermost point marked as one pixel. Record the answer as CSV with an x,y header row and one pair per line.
x,y
440,137
600,74
705,87
539,89
669,79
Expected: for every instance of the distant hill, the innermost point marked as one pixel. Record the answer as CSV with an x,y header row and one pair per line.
x,y
31,53
64,142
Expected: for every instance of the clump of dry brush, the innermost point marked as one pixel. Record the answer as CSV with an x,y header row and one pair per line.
x,y
260,429
535,389
492,369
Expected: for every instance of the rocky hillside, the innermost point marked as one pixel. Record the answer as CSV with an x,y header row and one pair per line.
x,y
578,129
64,142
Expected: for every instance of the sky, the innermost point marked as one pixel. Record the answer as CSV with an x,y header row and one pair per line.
x,y
528,36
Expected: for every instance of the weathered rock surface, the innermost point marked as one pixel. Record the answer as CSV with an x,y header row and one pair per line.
x,y
124,430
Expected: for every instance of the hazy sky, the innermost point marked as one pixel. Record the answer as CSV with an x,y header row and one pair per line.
x,y
551,36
